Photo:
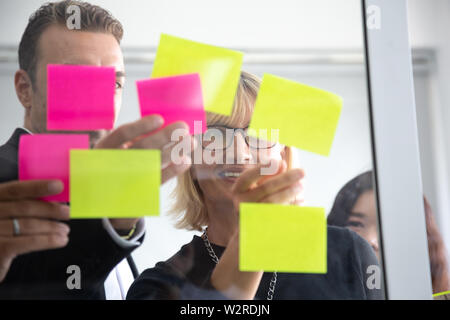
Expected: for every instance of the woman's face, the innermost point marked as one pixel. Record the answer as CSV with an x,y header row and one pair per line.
x,y
217,179
363,219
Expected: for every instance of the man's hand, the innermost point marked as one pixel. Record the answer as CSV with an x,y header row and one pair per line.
x,y
37,220
144,134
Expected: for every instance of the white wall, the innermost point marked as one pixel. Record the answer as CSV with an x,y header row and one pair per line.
x,y
233,23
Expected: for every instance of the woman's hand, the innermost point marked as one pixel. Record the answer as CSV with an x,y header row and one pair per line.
x,y
285,187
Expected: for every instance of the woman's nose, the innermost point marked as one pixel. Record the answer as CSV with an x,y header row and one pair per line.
x,y
241,154
374,243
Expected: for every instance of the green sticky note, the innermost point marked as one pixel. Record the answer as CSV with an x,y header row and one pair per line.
x,y
441,294
219,69
282,238
305,117
114,183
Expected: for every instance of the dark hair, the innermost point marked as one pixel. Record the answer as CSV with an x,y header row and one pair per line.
x,y
347,197
345,201
92,18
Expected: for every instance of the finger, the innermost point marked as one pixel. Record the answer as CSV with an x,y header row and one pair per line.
x,y
275,184
249,177
5,263
284,196
172,154
174,170
281,168
30,189
131,131
20,245
299,198
163,137
35,209
33,226
298,201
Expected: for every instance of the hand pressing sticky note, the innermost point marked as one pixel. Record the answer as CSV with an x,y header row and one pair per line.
x,y
80,97
282,238
46,156
114,183
219,69
177,98
305,117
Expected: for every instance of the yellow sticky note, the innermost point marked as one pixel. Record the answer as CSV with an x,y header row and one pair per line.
x,y
219,69
305,117
282,238
114,183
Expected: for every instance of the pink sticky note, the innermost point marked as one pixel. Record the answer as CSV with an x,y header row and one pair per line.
x,y
177,98
47,156
80,97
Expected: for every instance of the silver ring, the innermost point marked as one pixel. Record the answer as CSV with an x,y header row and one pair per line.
x,y
16,227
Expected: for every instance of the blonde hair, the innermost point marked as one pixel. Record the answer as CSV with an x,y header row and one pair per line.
x,y
189,209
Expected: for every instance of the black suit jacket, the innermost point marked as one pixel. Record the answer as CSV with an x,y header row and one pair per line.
x,y
43,274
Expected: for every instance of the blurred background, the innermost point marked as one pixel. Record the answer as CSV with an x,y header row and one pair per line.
x,y
318,42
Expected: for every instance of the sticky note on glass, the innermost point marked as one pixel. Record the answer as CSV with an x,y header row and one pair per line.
x,y
46,156
114,183
80,97
305,117
219,69
176,98
282,238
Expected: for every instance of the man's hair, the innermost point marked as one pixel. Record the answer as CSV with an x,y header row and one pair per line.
x,y
92,18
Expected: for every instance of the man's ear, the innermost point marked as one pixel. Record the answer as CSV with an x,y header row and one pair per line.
x,y
24,88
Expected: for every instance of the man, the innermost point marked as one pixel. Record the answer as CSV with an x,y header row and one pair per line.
x,y
38,252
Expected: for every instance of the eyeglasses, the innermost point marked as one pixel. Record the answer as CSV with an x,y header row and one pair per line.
x,y
221,138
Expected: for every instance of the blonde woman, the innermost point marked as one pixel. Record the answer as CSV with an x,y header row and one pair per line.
x,y
207,199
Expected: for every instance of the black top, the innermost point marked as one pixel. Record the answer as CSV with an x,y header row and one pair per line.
x,y
348,256
43,274
8,157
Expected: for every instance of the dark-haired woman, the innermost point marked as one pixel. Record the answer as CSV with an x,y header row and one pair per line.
x,y
354,207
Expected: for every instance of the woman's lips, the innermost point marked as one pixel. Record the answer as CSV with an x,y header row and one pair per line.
x,y
230,175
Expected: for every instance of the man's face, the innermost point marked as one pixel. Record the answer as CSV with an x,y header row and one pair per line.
x,y
59,45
